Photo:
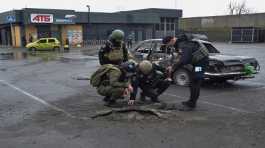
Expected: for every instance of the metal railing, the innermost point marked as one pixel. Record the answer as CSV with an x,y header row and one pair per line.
x,y
94,42
99,43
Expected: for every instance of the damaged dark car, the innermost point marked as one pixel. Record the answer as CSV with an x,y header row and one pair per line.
x,y
222,67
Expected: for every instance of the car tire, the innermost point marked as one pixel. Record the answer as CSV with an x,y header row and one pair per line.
x,y
56,49
33,49
182,77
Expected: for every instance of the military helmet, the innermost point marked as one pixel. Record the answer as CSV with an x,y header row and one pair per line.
x,y
145,67
117,35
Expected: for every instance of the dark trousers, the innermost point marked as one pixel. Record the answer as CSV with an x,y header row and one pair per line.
x,y
196,81
129,44
156,90
195,88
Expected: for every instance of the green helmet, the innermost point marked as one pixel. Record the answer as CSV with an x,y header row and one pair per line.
x,y
145,67
117,35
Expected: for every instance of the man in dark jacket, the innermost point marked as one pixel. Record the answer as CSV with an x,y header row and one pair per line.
x,y
194,54
152,79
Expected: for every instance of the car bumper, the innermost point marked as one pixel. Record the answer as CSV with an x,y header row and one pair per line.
x,y
230,75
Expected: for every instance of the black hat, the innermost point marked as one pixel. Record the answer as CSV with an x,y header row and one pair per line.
x,y
167,39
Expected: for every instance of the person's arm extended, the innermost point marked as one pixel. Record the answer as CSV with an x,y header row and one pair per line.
x,y
159,68
135,85
186,56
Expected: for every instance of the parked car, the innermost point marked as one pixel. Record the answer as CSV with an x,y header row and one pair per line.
x,y
44,44
221,67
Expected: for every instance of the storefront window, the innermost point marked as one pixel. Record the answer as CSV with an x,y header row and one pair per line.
x,y
172,26
162,20
157,27
173,20
168,27
162,27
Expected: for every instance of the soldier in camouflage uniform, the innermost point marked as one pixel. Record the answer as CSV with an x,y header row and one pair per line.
x,y
114,51
116,82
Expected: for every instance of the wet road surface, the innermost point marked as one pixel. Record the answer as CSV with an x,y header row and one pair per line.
x,y
41,105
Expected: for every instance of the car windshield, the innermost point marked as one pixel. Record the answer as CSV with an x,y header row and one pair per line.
x,y
157,46
144,47
211,48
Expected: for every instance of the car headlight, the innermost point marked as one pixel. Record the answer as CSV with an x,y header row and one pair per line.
x,y
215,63
215,66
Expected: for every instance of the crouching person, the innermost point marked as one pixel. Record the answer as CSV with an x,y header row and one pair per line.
x,y
113,82
152,79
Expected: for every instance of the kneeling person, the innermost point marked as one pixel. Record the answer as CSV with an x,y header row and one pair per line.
x,y
113,82
152,80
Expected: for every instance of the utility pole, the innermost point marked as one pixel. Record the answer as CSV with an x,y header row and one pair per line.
x,y
88,20
13,31
88,15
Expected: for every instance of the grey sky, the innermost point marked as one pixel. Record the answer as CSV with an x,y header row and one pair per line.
x,y
190,7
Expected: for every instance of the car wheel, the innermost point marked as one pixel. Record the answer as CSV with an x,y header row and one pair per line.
x,y
56,49
33,49
182,77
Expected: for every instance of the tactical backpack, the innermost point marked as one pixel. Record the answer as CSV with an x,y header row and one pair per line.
x,y
98,76
200,54
107,49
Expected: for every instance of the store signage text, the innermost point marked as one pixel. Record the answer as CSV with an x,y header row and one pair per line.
x,y
41,18
63,20
11,19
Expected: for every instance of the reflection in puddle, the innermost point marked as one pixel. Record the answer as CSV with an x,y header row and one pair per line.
x,y
13,55
89,52
21,55
45,55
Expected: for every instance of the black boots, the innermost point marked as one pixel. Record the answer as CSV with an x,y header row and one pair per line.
x,y
187,106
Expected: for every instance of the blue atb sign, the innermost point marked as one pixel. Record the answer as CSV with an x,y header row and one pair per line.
x,y
10,19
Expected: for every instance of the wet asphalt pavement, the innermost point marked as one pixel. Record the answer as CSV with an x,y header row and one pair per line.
x,y
41,105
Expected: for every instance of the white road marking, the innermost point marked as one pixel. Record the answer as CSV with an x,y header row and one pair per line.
x,y
84,118
37,99
214,104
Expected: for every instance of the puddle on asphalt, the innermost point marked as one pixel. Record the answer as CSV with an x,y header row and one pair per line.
x,y
14,55
45,55
89,52
21,55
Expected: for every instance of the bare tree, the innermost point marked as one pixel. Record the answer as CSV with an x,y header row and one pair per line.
x,y
232,7
236,8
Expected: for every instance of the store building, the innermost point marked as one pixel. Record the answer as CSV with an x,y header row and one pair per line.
x,y
19,27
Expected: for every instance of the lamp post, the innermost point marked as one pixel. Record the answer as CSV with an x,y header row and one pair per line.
x,y
88,15
88,20
11,18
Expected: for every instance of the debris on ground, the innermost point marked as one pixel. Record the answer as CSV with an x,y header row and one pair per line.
x,y
158,110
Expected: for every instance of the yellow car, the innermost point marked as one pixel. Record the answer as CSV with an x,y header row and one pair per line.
x,y
44,44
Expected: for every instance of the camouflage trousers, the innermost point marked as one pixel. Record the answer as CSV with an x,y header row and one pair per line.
x,y
112,92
